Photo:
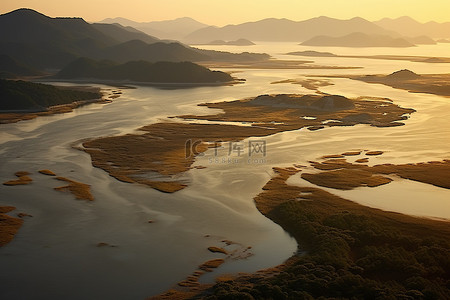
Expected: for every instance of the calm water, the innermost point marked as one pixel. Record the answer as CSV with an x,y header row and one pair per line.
x,y
55,253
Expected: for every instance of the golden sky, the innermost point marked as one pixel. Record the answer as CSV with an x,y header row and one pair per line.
x,y
222,12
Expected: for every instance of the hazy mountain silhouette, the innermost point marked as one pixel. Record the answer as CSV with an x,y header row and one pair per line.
x,y
171,29
409,27
421,40
358,39
139,50
142,71
239,42
404,74
27,25
286,30
124,34
45,43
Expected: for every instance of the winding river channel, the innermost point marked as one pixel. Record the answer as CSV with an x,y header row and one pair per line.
x,y
55,253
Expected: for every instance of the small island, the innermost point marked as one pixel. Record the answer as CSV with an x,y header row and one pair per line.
x,y
423,59
438,84
164,157
358,39
239,42
142,72
312,53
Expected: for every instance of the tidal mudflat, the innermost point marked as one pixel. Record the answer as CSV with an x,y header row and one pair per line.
x,y
218,199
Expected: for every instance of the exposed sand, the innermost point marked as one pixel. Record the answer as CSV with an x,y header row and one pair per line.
x,y
211,264
191,285
8,225
438,84
351,153
346,179
271,64
374,153
157,156
217,250
319,203
23,179
290,112
80,190
307,83
277,192
423,59
340,174
47,172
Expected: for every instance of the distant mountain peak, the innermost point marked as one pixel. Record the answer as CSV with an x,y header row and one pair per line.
x,y
408,26
285,30
403,74
358,19
115,20
406,18
186,19
323,18
25,12
166,29
30,13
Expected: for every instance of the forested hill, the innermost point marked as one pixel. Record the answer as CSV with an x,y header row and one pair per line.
x,y
142,71
22,95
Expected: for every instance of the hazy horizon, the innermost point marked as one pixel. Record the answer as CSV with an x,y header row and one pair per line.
x,y
221,13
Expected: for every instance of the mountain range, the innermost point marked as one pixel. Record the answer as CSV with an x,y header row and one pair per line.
x,y
409,27
142,71
32,40
171,29
286,30
31,43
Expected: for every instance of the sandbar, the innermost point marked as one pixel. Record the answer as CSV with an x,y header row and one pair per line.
x,y
308,83
22,179
158,155
273,64
8,225
437,84
80,190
